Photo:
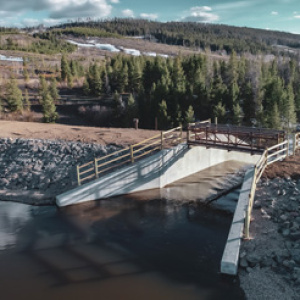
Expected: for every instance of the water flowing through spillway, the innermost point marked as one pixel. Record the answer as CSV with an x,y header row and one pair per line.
x,y
163,244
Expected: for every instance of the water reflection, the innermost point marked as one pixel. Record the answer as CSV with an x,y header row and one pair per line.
x,y
13,216
121,248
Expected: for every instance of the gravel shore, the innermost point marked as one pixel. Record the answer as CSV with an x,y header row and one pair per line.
x,y
34,171
270,260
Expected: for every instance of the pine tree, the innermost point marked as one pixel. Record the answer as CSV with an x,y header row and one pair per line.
x,y
131,111
97,82
65,70
189,115
248,104
14,96
237,114
25,69
86,87
43,89
53,89
70,80
274,119
74,68
162,117
219,111
27,103
289,113
49,109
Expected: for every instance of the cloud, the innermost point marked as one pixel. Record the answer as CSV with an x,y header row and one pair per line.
x,y
79,8
149,16
274,13
201,14
31,22
115,1
128,13
61,8
297,16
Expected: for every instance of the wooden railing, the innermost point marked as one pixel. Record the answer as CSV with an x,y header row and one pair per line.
x,y
92,170
296,142
270,155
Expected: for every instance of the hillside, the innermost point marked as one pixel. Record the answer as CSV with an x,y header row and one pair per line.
x,y
189,34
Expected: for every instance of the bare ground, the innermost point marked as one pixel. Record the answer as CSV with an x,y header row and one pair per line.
x,y
103,136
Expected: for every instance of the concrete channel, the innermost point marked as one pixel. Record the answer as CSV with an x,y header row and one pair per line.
x,y
166,167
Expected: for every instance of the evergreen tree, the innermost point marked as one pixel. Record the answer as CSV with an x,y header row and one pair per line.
x,y
49,109
162,117
118,107
53,89
289,113
86,87
237,114
14,96
43,89
25,69
65,70
27,103
189,115
74,68
131,111
248,104
219,111
70,80
274,119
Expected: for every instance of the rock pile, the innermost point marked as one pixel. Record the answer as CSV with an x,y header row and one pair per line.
x,y
275,230
44,165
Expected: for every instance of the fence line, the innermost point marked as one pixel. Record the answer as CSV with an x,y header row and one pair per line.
x,y
270,155
92,170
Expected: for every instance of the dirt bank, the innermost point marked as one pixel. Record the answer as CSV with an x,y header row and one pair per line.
x,y
102,136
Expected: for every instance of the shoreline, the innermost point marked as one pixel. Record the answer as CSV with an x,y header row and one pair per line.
x,y
270,260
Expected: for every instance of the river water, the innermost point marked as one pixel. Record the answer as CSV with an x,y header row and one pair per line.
x,y
163,244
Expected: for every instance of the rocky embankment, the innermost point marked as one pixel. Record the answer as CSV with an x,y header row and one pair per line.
x,y
33,170
270,261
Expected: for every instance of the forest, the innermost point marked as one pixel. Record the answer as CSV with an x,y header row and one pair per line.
x,y
183,89
238,89
189,34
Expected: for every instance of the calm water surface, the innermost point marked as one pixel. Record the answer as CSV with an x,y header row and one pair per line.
x,y
140,247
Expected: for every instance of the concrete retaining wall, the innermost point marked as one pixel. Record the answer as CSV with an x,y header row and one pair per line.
x,y
230,259
152,172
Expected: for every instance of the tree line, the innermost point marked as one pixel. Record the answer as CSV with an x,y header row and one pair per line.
x,y
181,89
190,34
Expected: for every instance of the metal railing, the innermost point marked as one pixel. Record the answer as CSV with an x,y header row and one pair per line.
x,y
92,170
270,155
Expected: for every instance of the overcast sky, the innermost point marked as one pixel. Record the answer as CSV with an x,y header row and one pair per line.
x,y
283,15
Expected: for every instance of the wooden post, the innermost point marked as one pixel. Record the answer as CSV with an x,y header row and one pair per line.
x,y
247,223
161,140
188,135
96,168
294,144
131,154
216,120
228,137
180,134
251,141
78,176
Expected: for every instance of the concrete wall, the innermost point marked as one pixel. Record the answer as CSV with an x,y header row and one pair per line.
x,y
230,258
153,172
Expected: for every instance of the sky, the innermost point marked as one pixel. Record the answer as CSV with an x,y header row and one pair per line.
x,y
282,15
